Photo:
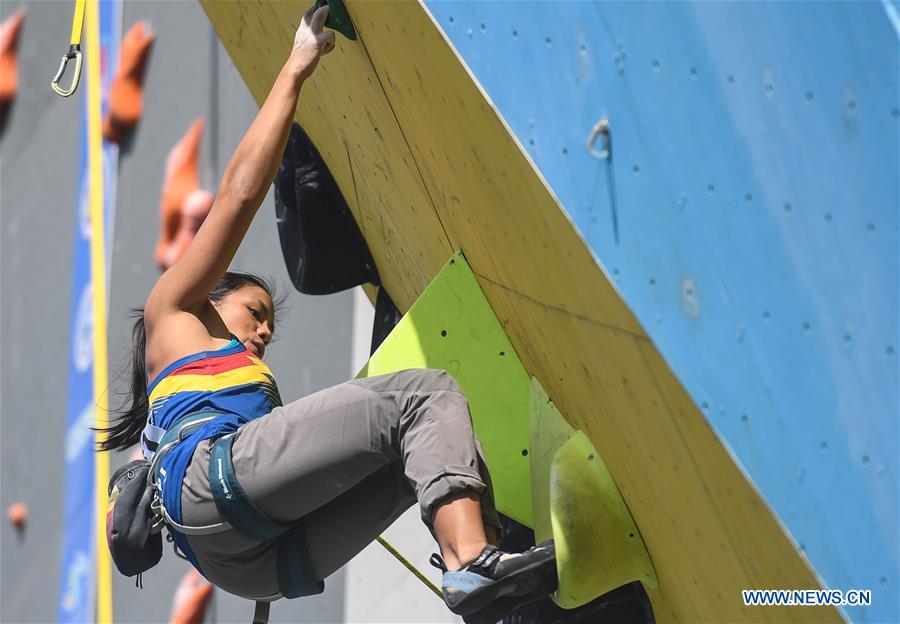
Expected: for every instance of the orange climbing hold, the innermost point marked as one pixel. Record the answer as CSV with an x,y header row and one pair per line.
x,y
193,212
9,65
18,515
184,205
191,599
126,95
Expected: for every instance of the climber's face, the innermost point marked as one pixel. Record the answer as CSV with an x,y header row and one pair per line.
x,y
249,314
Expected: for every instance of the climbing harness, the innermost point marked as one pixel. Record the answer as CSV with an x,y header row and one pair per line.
x,y
135,494
295,577
179,430
73,53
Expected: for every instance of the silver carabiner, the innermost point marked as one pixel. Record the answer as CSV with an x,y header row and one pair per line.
x,y
73,53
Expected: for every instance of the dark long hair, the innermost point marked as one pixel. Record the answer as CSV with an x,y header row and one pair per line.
x,y
126,430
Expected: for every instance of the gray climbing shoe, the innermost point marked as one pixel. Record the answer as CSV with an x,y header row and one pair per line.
x,y
497,582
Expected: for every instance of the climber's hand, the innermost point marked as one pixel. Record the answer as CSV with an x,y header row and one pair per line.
x,y
311,42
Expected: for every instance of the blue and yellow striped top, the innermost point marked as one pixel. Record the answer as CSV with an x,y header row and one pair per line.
x,y
230,380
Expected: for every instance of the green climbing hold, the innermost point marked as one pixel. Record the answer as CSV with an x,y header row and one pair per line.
x,y
338,18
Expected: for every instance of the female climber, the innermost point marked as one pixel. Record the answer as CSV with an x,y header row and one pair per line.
x,y
237,472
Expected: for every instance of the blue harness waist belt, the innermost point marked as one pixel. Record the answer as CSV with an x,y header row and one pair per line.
x,y
295,577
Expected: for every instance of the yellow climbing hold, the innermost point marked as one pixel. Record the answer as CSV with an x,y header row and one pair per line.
x,y
576,502
598,546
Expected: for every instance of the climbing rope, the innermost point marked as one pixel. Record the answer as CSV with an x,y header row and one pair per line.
x,y
73,53
410,566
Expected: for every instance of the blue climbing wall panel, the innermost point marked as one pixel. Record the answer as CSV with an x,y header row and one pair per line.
x,y
748,213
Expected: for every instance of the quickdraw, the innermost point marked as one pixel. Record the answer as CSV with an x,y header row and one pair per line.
x,y
73,53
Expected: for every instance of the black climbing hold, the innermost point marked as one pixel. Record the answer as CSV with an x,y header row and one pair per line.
x,y
386,318
338,18
323,248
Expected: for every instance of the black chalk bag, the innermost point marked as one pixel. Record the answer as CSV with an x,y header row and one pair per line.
x,y
134,544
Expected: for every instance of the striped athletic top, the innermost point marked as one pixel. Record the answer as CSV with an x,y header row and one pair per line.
x,y
230,380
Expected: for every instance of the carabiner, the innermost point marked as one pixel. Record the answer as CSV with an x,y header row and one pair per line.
x,y
73,53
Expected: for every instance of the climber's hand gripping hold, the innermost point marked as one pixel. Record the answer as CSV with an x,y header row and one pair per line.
x,y
311,41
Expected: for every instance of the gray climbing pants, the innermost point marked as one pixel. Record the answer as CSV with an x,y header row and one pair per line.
x,y
348,460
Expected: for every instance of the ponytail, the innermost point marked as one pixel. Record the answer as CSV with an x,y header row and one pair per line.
x,y
126,431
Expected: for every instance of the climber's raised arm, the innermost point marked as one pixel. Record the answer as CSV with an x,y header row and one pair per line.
x,y
246,179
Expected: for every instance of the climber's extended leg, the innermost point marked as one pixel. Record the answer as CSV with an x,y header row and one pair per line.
x,y
349,460
306,459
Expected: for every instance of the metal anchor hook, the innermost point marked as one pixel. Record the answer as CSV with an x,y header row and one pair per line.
x,y
601,128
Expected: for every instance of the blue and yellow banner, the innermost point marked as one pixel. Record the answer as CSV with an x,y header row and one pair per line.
x,y
85,574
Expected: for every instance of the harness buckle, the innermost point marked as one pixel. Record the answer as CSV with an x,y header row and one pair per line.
x,y
158,512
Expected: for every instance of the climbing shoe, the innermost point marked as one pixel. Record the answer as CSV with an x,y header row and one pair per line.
x,y
496,582
497,610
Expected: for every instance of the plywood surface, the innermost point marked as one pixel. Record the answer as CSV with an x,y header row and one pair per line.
x,y
427,166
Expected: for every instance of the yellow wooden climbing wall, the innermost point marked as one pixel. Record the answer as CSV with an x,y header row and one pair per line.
x,y
428,166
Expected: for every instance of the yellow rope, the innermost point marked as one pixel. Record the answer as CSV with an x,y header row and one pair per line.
x,y
410,566
77,22
98,286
